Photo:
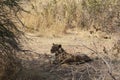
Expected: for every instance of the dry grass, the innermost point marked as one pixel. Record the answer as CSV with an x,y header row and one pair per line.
x,y
49,17
105,66
38,67
57,17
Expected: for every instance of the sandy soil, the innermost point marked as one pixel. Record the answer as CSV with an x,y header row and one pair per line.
x,y
72,43
37,60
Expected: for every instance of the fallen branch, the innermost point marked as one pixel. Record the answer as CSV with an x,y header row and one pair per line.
x,y
107,64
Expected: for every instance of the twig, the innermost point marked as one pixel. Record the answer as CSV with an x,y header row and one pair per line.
x,y
73,74
88,71
107,64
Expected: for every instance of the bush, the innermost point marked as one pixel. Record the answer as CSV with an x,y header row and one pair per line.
x,y
61,15
9,63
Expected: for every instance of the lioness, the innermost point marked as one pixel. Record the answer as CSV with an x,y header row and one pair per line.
x,y
61,56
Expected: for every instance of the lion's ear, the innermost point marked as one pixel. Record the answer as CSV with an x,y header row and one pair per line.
x,y
53,44
60,45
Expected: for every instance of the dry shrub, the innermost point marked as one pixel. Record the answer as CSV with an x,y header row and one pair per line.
x,y
52,16
58,16
9,63
101,14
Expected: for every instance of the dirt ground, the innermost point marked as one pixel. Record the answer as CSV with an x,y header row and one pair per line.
x,y
37,58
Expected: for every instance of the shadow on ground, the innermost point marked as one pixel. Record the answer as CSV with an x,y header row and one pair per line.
x,y
39,67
